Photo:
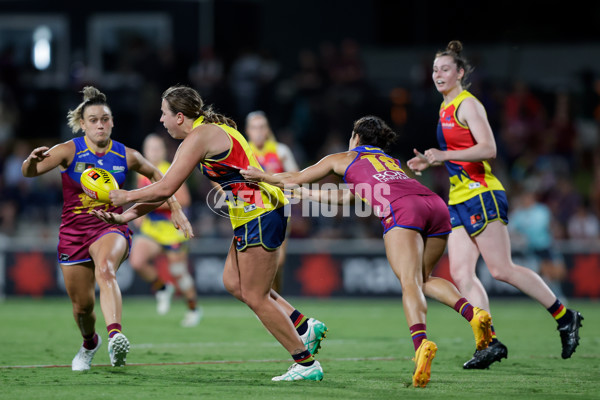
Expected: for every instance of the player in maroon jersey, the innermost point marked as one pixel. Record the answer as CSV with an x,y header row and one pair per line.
x,y
89,250
415,221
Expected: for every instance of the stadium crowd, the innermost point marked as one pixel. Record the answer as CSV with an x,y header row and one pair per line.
x,y
548,140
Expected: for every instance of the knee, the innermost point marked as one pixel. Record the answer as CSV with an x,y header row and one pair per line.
x,y
105,272
83,306
500,274
461,275
252,300
233,287
179,271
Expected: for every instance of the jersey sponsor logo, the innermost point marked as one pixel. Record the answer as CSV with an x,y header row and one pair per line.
x,y
387,176
474,185
82,166
476,219
117,168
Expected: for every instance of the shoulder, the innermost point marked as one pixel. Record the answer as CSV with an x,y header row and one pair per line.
x,y
341,161
471,107
65,149
205,133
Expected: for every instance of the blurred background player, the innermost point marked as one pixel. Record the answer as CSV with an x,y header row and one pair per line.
x,y
90,251
157,236
274,157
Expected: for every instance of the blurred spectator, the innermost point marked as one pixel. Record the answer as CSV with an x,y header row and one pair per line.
x,y
583,224
563,200
523,118
9,115
245,82
561,135
207,73
531,221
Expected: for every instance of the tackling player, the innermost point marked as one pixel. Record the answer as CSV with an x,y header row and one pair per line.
x,y
415,224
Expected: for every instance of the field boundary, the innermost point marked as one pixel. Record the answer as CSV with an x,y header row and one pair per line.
x,y
349,359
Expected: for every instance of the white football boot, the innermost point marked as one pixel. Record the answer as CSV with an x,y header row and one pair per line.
x,y
83,358
118,347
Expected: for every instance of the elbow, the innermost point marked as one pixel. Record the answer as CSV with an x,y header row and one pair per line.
x,y
490,152
164,192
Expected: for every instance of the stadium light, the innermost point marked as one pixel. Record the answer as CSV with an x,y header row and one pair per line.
x,y
42,53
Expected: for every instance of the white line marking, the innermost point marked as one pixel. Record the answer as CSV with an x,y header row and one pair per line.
x,y
352,359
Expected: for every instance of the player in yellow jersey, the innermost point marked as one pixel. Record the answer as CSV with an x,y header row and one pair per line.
x,y
274,157
211,142
157,235
478,206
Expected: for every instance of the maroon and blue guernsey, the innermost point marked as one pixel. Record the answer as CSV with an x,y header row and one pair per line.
x,y
79,229
397,199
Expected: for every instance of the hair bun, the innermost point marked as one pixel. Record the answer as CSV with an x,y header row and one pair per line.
x,y
91,93
455,46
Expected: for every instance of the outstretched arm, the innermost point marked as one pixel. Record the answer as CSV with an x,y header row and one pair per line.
x,y
188,155
341,196
43,159
140,164
332,164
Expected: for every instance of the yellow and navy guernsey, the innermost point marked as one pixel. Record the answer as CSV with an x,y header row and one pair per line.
x,y
467,178
157,224
268,156
246,200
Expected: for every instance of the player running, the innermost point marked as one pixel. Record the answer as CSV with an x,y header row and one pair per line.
x,y
90,251
478,205
211,142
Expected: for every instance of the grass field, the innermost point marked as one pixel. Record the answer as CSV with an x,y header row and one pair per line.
x,y
367,354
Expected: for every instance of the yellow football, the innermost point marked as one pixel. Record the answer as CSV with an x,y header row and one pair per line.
x,y
97,183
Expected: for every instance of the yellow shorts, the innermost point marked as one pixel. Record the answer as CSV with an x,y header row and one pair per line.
x,y
163,232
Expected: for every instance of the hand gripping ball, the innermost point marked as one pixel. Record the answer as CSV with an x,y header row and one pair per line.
x,y
97,184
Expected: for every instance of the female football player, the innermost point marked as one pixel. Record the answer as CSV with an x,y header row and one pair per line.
x,y
211,143
415,222
89,250
478,205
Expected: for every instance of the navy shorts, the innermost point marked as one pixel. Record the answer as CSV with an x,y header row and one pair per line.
x,y
475,213
267,230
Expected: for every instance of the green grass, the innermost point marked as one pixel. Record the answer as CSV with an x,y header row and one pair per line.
x,y
367,354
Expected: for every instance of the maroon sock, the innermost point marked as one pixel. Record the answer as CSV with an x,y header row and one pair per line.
x,y
418,333
113,329
465,309
90,342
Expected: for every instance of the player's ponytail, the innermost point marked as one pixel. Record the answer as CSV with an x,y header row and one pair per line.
x,y
91,96
185,100
454,50
373,131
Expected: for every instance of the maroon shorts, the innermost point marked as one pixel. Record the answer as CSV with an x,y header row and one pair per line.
x,y
426,214
73,247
